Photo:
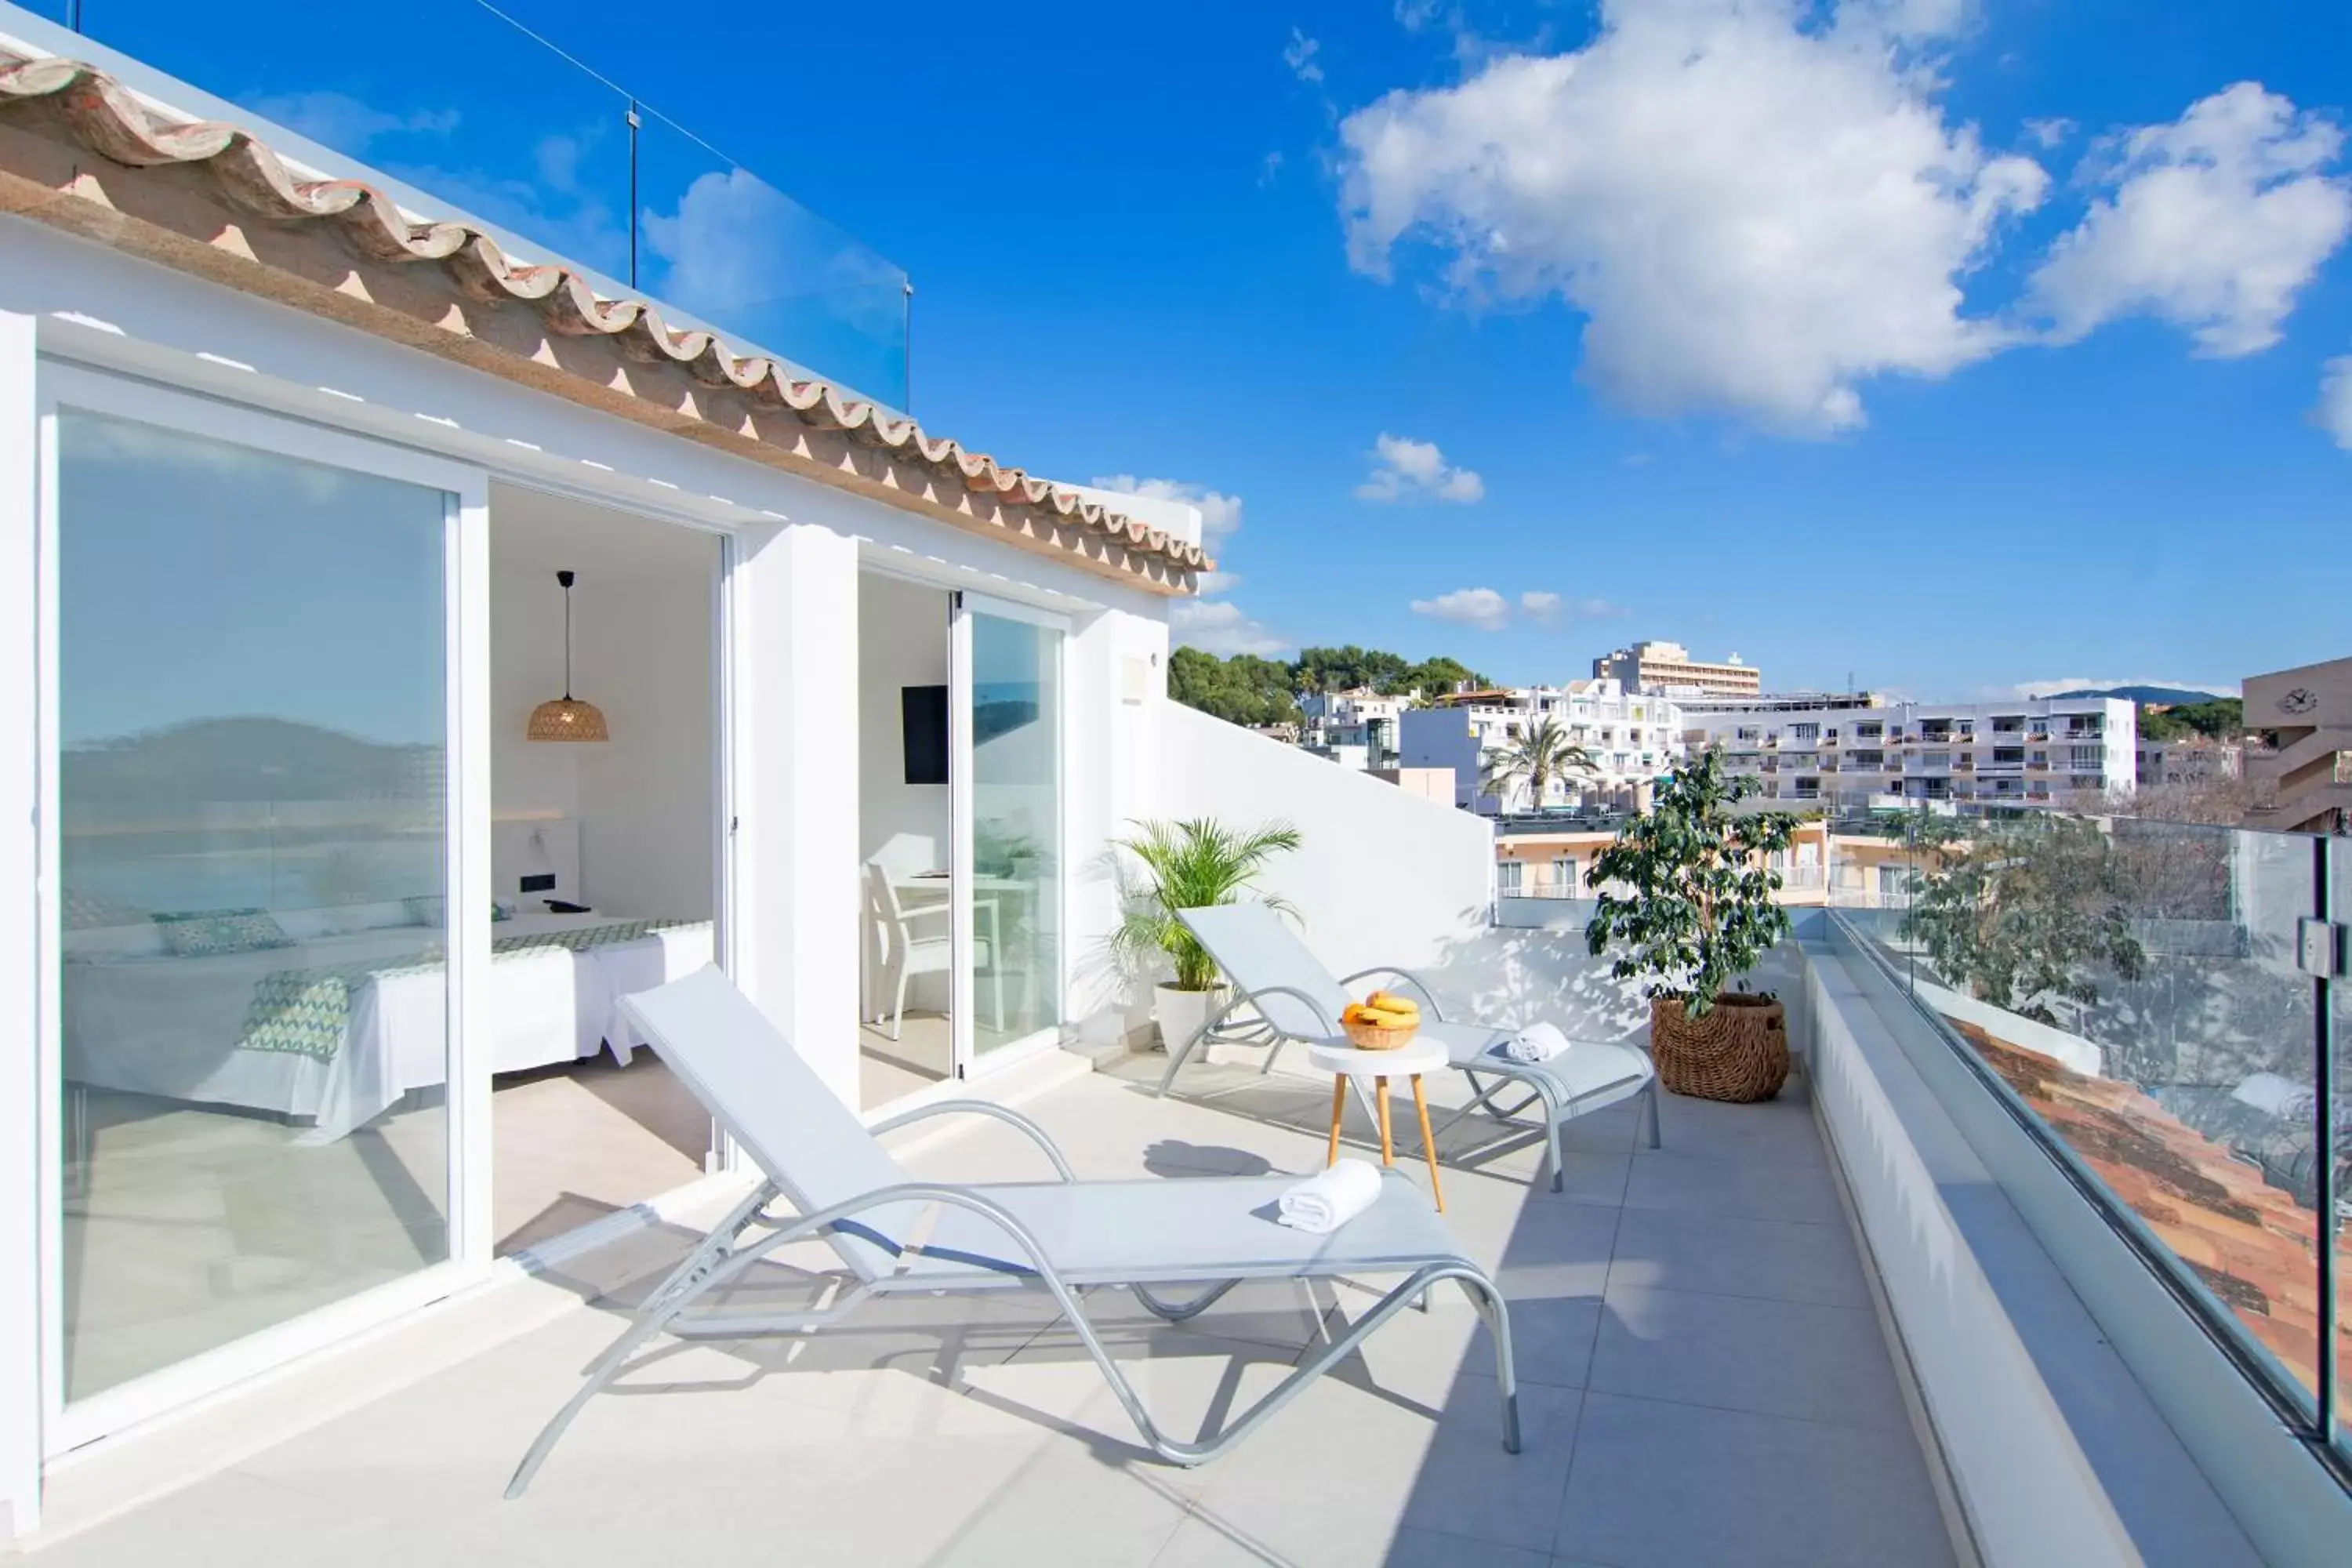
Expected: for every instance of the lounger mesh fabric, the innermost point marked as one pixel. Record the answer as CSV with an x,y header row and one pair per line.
x,y
898,1233
1278,976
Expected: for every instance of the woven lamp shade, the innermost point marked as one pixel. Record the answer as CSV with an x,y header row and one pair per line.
x,y
567,719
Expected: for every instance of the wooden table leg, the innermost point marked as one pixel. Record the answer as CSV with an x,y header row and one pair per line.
x,y
1388,1151
1428,1143
1338,1104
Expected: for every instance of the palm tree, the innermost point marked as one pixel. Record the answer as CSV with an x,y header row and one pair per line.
x,y
1193,864
1545,753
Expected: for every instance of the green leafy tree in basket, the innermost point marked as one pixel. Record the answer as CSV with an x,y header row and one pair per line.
x,y
1687,889
1191,865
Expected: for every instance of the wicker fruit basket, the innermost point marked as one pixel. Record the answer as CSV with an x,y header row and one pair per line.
x,y
1373,1037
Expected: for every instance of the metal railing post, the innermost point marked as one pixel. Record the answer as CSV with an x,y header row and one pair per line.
x,y
2326,1220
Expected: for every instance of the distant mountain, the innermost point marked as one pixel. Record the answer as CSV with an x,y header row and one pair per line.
x,y
2163,694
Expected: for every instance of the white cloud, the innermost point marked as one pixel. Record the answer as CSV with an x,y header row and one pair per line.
x,y
2335,411
1221,514
2049,132
1220,627
2213,223
1755,212
1481,607
1595,609
1406,469
338,121
2096,683
1299,56
1217,582
1538,606
718,250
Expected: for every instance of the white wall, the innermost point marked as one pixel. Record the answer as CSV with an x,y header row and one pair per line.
x,y
646,795
1111,776
902,641
1383,877
795,937
526,669
644,609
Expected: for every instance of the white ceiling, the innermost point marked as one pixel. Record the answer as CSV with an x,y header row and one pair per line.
x,y
530,529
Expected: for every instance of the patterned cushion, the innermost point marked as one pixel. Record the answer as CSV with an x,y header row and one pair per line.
x,y
94,911
202,933
434,911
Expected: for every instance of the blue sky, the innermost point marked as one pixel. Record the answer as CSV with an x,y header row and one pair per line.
x,y
1956,344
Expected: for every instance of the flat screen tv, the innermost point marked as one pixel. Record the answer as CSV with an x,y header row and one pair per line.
x,y
923,724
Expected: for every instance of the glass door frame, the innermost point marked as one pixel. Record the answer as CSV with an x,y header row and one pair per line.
x,y
969,1063
62,384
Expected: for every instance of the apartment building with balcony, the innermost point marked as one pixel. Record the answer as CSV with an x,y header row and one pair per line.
x,y
1972,756
1630,738
1356,728
2301,773
2191,760
1667,667
1539,858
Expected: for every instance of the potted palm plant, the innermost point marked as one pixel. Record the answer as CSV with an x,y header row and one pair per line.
x,y
1687,890
1544,754
1189,865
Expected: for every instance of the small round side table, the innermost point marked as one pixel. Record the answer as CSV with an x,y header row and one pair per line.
x,y
1341,1059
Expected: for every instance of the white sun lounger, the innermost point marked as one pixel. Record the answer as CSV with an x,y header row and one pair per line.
x,y
1286,993
895,1234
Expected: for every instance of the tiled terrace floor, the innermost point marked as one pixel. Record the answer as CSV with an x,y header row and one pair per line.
x,y
1703,1382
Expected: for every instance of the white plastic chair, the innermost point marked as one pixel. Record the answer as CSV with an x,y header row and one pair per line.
x,y
904,945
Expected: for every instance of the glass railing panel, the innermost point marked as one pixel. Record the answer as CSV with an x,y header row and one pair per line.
x,y
2135,985
496,125
720,242
2340,1144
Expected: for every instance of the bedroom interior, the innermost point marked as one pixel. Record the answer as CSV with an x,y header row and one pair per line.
x,y
583,1121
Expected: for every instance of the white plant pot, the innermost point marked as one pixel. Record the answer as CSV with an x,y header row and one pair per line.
x,y
1180,1013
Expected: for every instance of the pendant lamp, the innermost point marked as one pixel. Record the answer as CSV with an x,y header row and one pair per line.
x,y
567,718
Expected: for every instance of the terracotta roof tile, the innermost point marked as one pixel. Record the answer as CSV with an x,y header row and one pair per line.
x,y
2253,1245
71,101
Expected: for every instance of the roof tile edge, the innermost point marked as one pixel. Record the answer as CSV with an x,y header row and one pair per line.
x,y
56,99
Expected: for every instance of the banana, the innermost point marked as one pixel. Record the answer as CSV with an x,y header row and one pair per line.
x,y
1381,1018
1389,1002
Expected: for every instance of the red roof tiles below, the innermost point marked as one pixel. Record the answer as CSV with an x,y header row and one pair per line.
x,y
2253,1245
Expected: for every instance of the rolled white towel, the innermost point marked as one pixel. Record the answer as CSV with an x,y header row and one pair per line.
x,y
1537,1043
1330,1198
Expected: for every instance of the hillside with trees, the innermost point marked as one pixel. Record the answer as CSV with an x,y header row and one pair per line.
x,y
2221,719
1247,690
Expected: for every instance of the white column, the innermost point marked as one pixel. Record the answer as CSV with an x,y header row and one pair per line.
x,y
795,901
20,1035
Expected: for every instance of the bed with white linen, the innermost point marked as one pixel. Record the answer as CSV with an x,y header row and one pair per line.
x,y
140,1020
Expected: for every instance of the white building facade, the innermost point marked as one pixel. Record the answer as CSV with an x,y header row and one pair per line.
x,y
1357,728
2077,753
1630,738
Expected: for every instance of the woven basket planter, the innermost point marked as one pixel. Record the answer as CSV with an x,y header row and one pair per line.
x,y
1739,1052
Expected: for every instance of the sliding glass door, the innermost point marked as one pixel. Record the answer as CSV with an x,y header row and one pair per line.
x,y
252,900
1008,702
